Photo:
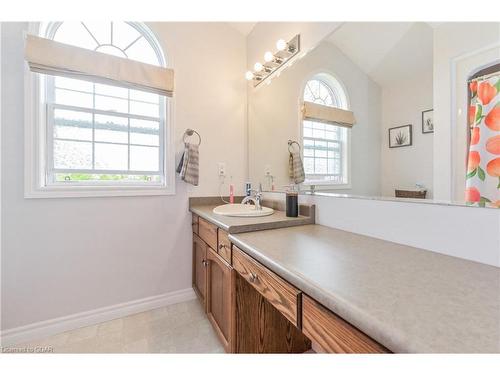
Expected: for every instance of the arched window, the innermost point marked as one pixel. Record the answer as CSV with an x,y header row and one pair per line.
x,y
100,134
325,145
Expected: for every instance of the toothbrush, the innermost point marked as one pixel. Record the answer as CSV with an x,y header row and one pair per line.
x,y
231,191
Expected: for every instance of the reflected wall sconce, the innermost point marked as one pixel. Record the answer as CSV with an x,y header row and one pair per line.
x,y
274,61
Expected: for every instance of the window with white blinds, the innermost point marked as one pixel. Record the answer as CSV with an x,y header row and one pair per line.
x,y
99,134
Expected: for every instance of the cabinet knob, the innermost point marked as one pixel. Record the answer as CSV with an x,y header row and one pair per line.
x,y
221,246
253,276
204,262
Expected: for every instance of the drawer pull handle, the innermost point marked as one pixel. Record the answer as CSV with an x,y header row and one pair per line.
x,y
253,276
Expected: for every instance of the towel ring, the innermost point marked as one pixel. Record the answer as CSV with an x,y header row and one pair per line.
x,y
189,133
291,143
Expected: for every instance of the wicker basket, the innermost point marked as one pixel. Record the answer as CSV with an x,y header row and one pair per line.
x,y
418,194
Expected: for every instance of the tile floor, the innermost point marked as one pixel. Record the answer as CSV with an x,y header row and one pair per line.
x,y
180,328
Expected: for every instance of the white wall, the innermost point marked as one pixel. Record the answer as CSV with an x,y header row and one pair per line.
x,y
451,40
466,232
66,256
402,104
273,117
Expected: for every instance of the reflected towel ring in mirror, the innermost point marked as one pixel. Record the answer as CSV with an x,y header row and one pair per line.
x,y
189,133
291,143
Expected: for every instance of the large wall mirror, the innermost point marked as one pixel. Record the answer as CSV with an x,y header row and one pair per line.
x,y
392,110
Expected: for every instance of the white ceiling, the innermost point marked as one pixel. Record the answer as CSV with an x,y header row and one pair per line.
x,y
388,52
243,27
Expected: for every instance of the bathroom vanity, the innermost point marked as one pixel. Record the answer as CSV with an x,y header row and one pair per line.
x,y
253,309
292,285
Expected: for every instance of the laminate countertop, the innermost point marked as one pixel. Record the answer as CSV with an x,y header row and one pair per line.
x,y
410,300
232,224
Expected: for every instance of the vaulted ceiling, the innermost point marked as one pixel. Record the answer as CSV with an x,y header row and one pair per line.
x,y
243,27
388,52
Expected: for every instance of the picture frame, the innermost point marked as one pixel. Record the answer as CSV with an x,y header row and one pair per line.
x,y
400,136
428,121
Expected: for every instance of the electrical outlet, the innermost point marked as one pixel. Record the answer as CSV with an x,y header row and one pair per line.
x,y
222,169
267,170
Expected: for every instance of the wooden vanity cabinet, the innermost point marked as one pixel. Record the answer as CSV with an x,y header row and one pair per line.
x,y
194,223
220,298
253,310
213,278
200,268
266,310
224,247
332,333
282,295
208,233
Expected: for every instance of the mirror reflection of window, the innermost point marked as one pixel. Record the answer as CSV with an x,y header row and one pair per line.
x,y
325,145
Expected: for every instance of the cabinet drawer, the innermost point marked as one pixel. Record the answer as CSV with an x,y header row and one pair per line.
x,y
224,248
207,232
277,291
332,333
194,223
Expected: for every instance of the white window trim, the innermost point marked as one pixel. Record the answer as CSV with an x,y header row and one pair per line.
x,y
326,185
35,152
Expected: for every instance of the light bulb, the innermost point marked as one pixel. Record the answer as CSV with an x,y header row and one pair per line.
x,y
281,45
258,67
249,75
268,56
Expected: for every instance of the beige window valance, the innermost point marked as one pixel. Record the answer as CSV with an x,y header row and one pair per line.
x,y
326,114
49,57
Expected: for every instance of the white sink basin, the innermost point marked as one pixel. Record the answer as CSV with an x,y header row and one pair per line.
x,y
242,210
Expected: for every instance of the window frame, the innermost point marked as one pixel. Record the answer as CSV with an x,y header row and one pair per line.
x,y
37,139
335,85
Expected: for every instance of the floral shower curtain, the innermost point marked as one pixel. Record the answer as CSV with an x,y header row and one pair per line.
x,y
483,165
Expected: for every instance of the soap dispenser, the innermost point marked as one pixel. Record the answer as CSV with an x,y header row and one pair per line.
x,y
292,202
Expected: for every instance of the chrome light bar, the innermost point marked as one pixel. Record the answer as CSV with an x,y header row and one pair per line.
x,y
274,61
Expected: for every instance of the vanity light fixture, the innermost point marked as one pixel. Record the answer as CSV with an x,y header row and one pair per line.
x,y
274,61
268,56
281,45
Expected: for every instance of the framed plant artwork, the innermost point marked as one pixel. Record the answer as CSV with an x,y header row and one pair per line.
x,y
400,136
428,121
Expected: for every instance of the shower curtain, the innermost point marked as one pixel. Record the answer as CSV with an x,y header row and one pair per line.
x,y
483,164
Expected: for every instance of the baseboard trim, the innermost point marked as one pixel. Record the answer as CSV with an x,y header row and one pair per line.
x,y
46,328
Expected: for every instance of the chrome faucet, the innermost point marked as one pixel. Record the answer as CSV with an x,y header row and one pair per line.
x,y
255,197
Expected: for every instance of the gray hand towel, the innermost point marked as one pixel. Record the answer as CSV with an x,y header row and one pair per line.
x,y
189,164
296,168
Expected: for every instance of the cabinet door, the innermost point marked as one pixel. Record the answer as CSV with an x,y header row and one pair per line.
x,y
220,298
200,268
